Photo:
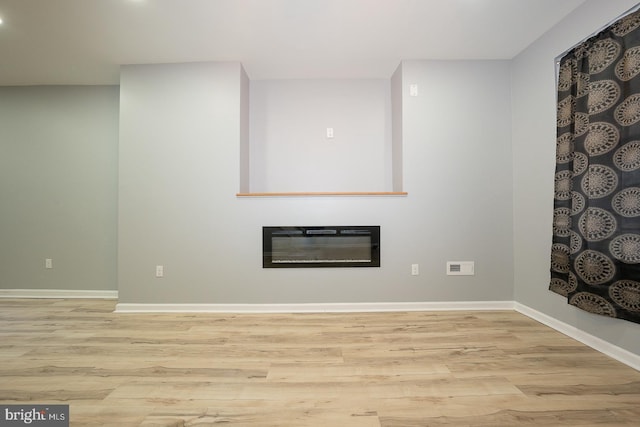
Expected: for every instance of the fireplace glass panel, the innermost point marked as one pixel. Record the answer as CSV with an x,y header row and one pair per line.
x,y
321,246
321,249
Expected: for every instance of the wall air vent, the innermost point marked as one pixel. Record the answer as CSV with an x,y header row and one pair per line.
x,y
460,268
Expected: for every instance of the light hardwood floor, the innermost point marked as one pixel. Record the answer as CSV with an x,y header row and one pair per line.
x,y
363,369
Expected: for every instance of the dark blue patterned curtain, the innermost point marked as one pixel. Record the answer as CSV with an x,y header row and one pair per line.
x,y
595,257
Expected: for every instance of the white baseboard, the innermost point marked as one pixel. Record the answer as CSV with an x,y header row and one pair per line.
x,y
314,307
57,293
630,359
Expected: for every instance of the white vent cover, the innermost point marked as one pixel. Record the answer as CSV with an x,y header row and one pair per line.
x,y
460,268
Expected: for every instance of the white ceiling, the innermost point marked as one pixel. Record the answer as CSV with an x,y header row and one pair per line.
x,y
85,41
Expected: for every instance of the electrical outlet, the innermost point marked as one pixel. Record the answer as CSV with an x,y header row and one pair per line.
x,y
329,133
159,271
48,263
415,269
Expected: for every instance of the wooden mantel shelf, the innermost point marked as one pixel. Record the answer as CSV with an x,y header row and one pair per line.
x,y
324,193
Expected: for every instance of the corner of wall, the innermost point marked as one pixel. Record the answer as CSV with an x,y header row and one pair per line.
x,y
396,129
245,177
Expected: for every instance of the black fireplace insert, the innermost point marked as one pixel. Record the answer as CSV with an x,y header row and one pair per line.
x,y
322,246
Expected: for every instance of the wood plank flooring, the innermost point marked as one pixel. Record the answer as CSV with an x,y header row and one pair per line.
x,y
362,369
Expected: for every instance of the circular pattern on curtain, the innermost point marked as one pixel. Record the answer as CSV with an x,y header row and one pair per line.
x,y
603,95
564,148
602,54
593,303
580,163
561,287
563,185
626,293
575,242
566,74
627,157
628,112
626,248
594,267
577,203
581,124
565,111
626,25
597,224
560,258
629,65
561,222
600,181
626,203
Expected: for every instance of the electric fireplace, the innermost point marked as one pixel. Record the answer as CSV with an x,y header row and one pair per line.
x,y
322,246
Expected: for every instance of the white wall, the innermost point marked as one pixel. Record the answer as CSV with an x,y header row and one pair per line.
x,y
534,162
58,187
290,150
179,172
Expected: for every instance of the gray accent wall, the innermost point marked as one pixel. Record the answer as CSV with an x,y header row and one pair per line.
x,y
58,187
180,157
534,138
179,172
